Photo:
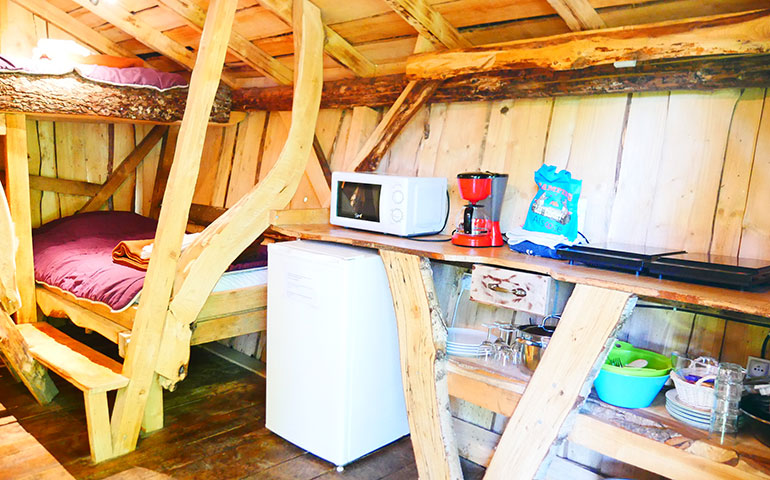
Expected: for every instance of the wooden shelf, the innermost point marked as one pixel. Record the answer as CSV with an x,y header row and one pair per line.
x,y
755,303
651,439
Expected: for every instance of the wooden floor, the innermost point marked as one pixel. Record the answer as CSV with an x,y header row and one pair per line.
x,y
215,429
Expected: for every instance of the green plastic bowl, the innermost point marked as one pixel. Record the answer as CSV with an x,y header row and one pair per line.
x,y
624,353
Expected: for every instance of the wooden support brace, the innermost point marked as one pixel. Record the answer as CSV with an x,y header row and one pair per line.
x,y
578,14
555,389
142,354
125,169
18,198
207,258
422,341
408,103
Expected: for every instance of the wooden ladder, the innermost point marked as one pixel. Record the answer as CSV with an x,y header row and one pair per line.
x,y
90,371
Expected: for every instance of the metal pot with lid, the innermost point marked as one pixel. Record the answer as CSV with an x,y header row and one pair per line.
x,y
533,339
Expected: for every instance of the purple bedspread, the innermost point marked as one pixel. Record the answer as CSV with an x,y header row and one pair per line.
x,y
75,254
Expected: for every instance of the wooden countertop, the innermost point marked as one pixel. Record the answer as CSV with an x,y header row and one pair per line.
x,y
748,302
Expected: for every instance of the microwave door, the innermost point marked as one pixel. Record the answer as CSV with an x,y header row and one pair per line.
x,y
359,201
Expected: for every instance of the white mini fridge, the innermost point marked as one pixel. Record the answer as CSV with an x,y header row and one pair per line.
x,y
333,372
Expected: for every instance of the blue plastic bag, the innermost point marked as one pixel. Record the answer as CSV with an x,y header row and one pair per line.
x,y
554,208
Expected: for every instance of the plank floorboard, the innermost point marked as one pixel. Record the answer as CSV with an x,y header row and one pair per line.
x,y
215,429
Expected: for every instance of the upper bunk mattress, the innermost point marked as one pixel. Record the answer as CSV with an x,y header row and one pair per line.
x,y
75,254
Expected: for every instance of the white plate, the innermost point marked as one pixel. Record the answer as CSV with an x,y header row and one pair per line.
x,y
685,420
463,337
463,354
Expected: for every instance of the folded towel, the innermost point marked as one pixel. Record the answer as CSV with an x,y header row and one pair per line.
x,y
186,242
129,253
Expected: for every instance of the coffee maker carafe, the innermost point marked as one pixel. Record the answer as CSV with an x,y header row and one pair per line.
x,y
479,224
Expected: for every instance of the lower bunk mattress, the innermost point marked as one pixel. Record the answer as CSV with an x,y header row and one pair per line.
x,y
74,254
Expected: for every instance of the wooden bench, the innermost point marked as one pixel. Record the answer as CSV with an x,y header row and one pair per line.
x,y
90,371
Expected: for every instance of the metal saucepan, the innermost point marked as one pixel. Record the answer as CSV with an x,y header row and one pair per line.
x,y
533,339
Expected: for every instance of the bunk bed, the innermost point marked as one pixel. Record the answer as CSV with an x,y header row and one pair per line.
x,y
177,307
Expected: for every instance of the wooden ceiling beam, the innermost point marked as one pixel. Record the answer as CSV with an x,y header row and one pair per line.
x,y
742,33
129,23
663,75
429,23
578,14
335,46
77,29
239,46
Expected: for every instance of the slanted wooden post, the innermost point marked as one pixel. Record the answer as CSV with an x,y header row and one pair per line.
x,y
18,198
206,259
422,340
556,388
142,353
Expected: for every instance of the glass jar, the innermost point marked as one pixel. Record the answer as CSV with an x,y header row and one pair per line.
x,y
728,388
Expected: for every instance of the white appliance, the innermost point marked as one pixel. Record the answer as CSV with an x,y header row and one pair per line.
x,y
333,372
405,206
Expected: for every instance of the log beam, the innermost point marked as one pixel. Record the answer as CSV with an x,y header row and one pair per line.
x,y
742,33
429,23
79,30
145,33
142,354
664,75
239,46
578,14
203,262
125,169
74,95
336,46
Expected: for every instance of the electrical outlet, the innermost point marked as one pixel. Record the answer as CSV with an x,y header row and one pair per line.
x,y
757,367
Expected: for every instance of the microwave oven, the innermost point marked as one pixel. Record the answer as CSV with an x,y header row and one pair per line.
x,y
405,206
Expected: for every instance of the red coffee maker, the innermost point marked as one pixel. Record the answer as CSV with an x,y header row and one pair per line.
x,y
479,225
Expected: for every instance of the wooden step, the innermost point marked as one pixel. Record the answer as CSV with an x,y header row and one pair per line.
x,y
80,365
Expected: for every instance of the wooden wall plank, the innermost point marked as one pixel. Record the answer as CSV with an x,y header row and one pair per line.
x,y
124,143
594,156
736,173
50,208
638,176
225,164
33,156
212,151
248,148
525,127
146,173
690,168
70,162
756,222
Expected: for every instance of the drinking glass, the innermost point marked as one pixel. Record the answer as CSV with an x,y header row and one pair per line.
x,y
728,388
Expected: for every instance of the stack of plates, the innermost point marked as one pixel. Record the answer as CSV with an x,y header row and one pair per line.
x,y
464,342
695,417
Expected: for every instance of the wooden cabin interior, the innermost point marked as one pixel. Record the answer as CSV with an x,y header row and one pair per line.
x,y
660,107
